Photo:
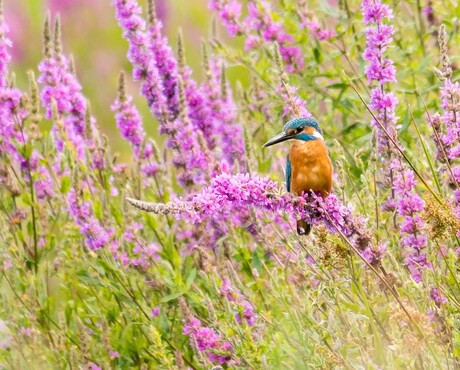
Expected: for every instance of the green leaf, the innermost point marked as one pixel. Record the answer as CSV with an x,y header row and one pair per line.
x,y
65,185
116,213
190,279
171,297
26,198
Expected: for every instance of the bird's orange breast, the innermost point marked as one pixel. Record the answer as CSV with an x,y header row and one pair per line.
x,y
311,167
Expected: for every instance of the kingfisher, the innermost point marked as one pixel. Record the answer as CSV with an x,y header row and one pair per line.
x,y
308,165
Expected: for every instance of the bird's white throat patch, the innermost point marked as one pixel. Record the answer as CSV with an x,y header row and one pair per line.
x,y
318,135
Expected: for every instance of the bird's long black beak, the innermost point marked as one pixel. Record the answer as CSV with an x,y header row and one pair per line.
x,y
278,139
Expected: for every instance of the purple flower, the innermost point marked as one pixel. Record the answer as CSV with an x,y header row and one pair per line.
x,y
198,108
96,236
382,101
156,311
403,197
229,12
5,56
375,11
382,71
9,130
428,11
244,310
228,195
447,128
316,30
145,69
438,298
156,67
208,341
129,123
409,205
261,21
9,97
26,332
61,87
113,354
295,106
43,183
223,112
166,64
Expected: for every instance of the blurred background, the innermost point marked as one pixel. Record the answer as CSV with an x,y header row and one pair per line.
x,y
91,34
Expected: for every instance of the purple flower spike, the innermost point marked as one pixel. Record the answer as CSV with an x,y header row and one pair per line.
x,y
5,56
96,236
378,37
128,119
229,12
244,310
375,11
165,61
403,198
145,69
410,206
228,195
223,111
260,20
208,341
61,87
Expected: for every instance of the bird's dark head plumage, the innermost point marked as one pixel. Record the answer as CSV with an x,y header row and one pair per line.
x,y
300,123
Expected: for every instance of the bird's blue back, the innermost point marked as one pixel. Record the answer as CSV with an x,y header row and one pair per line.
x,y
288,174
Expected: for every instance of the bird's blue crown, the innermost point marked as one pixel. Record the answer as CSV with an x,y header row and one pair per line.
x,y
302,122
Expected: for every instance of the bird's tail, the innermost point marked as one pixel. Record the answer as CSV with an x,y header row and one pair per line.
x,y
303,228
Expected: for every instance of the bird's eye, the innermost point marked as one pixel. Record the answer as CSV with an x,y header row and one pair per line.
x,y
298,130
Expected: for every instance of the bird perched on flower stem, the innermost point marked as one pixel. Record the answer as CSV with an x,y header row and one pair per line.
x,y
308,167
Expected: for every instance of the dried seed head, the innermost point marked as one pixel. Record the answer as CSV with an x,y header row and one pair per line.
x,y
390,279
332,254
170,208
47,37
331,360
180,50
12,81
122,87
88,122
57,36
415,344
214,28
223,82
184,308
279,64
72,68
34,94
251,163
151,12
54,110
283,80
156,150
182,101
206,65
180,364
445,64
442,221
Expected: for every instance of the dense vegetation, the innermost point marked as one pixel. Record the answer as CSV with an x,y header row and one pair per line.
x,y
186,256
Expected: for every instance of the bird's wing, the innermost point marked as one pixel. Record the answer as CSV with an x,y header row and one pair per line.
x,y
288,174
